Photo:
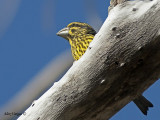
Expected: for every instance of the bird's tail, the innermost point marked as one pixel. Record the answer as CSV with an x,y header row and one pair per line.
x,y
143,104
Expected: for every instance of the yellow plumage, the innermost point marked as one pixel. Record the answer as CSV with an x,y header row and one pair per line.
x,y
79,36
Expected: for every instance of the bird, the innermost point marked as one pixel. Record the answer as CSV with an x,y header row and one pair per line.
x,y
79,36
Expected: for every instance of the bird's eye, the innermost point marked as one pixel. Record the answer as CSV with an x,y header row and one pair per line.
x,y
73,30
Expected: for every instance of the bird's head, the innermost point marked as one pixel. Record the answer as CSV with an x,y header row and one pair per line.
x,y
76,29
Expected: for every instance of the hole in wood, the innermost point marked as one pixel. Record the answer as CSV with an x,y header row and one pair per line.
x,y
117,63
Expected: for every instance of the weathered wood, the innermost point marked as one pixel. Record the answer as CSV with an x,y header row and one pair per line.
x,y
121,63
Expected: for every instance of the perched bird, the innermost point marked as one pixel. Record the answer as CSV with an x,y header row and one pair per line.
x,y
79,36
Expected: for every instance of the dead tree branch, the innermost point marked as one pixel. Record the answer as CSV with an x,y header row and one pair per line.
x,y
121,63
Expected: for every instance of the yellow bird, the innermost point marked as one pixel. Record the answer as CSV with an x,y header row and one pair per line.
x,y
79,36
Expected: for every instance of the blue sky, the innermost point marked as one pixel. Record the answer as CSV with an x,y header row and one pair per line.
x,y
28,43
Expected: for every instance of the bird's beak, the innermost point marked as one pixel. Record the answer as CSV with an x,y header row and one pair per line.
x,y
64,33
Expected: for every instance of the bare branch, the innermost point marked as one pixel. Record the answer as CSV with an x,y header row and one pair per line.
x,y
120,64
